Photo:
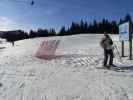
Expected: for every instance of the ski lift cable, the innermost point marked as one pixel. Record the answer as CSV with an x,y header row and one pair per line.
x,y
31,2
22,1
17,0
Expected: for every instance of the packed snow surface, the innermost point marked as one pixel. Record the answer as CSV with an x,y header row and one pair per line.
x,y
74,74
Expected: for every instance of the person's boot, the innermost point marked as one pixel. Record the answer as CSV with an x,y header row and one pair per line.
x,y
108,67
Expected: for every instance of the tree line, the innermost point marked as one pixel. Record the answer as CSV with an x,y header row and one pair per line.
x,y
94,27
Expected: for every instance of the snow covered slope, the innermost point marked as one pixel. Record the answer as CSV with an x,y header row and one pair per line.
x,y
74,74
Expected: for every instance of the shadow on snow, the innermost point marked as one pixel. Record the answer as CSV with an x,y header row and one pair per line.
x,y
122,67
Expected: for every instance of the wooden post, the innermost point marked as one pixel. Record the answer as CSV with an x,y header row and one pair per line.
x,y
130,50
122,49
130,41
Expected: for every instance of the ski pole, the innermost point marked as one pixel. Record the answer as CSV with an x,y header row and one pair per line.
x,y
117,51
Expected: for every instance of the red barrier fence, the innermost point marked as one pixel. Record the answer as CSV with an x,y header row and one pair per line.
x,y
47,49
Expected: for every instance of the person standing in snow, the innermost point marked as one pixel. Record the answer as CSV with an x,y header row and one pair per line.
x,y
107,45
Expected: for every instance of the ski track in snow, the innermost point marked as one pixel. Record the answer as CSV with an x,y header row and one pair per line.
x,y
67,77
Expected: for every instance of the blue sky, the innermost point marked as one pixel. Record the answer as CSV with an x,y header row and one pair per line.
x,y
19,14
